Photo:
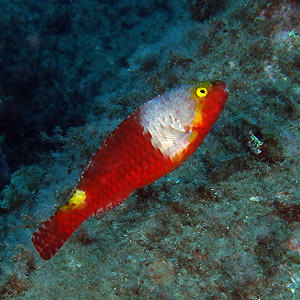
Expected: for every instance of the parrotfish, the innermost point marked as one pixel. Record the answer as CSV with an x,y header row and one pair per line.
x,y
152,142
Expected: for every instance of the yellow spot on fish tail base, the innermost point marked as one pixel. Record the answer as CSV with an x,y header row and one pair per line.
x,y
77,201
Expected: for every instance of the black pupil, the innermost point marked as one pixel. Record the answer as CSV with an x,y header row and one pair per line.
x,y
202,91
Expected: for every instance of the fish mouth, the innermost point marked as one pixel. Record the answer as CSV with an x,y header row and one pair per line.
x,y
219,88
220,85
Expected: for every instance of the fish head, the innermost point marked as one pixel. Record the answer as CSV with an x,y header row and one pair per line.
x,y
210,98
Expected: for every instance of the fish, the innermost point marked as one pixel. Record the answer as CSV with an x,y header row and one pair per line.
x,y
153,141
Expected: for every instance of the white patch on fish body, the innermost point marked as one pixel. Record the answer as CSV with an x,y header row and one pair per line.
x,y
166,118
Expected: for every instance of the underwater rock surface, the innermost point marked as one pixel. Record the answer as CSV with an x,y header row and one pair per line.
x,y
225,225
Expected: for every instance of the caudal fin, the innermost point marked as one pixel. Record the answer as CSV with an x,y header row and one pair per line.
x,y
54,232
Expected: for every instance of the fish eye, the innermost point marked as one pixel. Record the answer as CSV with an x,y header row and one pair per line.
x,y
201,92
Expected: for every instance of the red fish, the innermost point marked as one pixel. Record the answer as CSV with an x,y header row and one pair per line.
x,y
152,142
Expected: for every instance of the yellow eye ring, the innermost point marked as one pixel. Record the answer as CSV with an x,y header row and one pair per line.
x,y
201,92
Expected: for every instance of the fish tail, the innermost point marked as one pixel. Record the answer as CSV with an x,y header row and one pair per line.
x,y
54,232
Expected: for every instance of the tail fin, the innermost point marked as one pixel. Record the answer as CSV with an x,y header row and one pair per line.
x,y
54,232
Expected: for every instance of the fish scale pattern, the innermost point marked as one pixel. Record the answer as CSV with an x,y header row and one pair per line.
x,y
126,161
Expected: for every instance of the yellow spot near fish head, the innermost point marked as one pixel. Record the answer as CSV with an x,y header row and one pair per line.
x,y
77,201
198,117
199,90
193,136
